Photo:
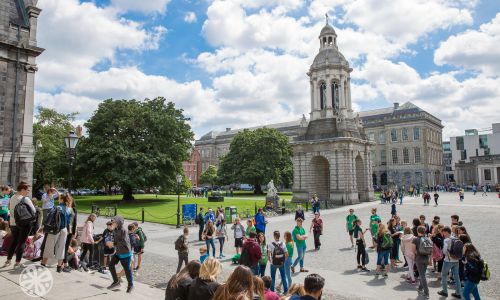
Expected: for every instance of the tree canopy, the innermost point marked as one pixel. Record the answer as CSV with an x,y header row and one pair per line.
x,y
134,144
256,157
49,130
209,176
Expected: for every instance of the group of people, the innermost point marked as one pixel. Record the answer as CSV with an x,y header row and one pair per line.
x,y
447,248
35,234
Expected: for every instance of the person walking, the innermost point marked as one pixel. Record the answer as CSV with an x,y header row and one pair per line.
x,y
317,229
384,245
261,238
424,249
359,235
289,259
436,197
182,247
221,234
451,258
278,254
123,254
315,204
200,220
87,241
260,221
484,194
299,237
238,234
205,286
19,228
409,250
473,271
461,195
208,237
349,220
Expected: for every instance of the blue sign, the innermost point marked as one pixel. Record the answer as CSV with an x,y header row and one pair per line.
x,y
189,212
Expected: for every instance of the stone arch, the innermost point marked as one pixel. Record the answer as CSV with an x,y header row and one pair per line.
x,y
320,171
374,179
360,176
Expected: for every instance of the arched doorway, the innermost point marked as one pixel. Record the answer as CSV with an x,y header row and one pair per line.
x,y
360,176
374,179
320,169
383,179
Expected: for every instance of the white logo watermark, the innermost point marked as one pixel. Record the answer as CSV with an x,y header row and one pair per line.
x,y
36,281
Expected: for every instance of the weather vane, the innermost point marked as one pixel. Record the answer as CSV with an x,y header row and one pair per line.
x,y
326,16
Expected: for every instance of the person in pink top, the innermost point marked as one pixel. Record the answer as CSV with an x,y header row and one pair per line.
x,y
87,240
409,251
268,294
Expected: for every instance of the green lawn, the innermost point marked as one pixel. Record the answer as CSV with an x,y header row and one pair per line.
x,y
162,208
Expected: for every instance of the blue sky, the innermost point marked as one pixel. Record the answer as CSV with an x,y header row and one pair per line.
x,y
244,62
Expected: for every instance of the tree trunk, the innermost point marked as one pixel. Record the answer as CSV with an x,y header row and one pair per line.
x,y
257,189
127,194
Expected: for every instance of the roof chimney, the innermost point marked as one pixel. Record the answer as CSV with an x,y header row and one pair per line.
x,y
228,129
396,105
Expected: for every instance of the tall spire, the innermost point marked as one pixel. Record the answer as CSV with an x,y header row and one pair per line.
x,y
326,17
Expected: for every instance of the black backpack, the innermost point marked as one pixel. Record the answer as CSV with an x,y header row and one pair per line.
x,y
52,223
278,255
456,248
245,257
179,243
23,215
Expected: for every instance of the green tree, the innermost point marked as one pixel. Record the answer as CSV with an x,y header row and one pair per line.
x,y
51,162
133,144
256,157
209,176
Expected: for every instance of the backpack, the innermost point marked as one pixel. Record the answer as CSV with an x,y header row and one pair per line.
x,y
387,241
144,235
52,223
278,255
245,257
366,261
197,219
456,248
179,243
485,274
424,246
23,215
437,254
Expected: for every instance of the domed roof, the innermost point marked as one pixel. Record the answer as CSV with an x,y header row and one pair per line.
x,y
327,30
329,57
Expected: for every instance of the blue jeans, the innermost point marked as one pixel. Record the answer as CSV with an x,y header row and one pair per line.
x,y
5,216
288,273
255,269
262,270
209,242
283,277
301,251
453,267
383,257
471,288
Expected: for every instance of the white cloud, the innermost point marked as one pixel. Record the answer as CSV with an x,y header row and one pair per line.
x,y
190,17
473,49
148,6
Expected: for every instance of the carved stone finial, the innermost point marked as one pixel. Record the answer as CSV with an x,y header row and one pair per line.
x,y
326,17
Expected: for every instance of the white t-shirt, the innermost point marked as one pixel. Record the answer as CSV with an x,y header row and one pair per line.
x,y
270,247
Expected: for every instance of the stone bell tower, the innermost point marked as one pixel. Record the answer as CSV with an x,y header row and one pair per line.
x,y
331,153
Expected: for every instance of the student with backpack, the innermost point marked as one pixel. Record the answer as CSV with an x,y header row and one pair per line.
x,y
141,242
56,229
474,268
181,245
423,245
87,241
123,255
251,253
22,215
384,246
453,252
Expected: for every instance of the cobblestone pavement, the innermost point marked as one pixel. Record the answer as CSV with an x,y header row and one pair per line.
x,y
336,259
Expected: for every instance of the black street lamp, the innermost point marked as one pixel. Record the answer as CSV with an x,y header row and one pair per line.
x,y
178,178
71,140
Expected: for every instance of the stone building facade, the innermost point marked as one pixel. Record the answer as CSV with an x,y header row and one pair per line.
x,y
408,148
18,51
331,153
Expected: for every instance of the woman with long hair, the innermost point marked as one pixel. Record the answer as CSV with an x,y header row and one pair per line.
x,y
178,285
473,271
261,239
289,261
239,285
383,249
206,284
295,289
209,235
258,288
87,240
395,235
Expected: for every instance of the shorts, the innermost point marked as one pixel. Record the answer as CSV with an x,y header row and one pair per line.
x,y
351,232
383,257
138,250
109,251
238,242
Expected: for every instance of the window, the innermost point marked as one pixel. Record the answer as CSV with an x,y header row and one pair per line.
x,y
394,135
322,95
487,174
381,137
394,154
383,157
483,141
335,96
418,158
463,155
371,136
416,134
404,134
460,143
406,156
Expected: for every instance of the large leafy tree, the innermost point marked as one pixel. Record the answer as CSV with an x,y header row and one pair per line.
x,y
209,176
256,157
134,144
51,162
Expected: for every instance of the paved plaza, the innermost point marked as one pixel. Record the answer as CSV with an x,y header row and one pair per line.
x,y
335,261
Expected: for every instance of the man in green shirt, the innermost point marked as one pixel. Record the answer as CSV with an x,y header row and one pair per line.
x,y
374,222
351,217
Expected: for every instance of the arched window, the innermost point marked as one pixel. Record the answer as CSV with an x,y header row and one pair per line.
x,y
335,96
322,95
329,41
324,41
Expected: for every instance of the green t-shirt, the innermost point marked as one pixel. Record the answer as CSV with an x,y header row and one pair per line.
x,y
4,208
373,224
356,231
263,260
349,219
299,231
289,249
250,229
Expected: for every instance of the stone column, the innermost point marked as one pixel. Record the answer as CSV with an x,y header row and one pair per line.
x,y
349,100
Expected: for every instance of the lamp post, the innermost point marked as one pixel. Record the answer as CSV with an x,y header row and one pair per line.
x,y
178,178
71,140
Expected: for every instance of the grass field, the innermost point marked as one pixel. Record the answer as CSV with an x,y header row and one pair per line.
x,y
163,208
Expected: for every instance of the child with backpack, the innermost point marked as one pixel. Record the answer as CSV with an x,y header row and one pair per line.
x,y
142,239
181,245
423,244
108,239
277,254
87,240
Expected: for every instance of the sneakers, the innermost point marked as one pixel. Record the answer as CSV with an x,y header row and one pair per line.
x,y
18,265
442,293
6,264
59,269
114,285
66,269
130,288
455,295
365,269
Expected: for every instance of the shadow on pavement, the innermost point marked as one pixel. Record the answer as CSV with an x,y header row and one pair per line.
x,y
377,281
346,249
